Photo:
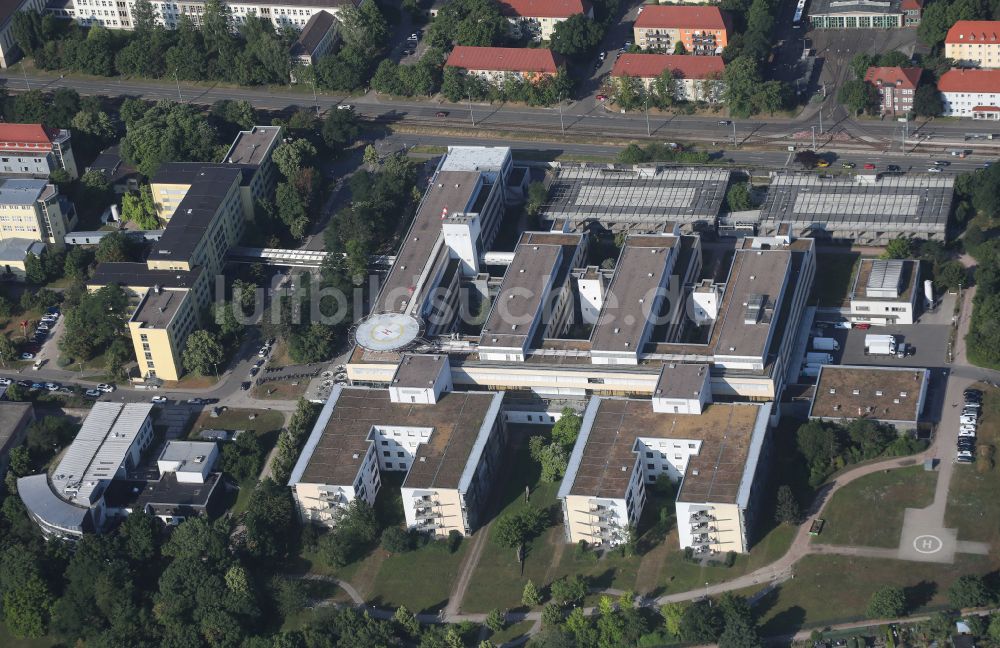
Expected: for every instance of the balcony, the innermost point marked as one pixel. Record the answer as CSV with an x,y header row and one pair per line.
x,y
701,516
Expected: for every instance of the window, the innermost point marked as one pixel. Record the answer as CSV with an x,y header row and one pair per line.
x,y
386,453
651,466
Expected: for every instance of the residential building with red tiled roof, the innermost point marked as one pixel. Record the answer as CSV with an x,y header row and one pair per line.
x,y
974,42
971,93
912,11
539,17
36,151
695,78
701,29
497,63
896,87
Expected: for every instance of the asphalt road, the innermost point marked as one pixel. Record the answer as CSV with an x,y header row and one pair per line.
x,y
577,118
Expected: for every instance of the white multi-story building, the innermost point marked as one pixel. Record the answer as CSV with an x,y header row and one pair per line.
x,y
447,443
885,292
971,93
34,150
118,14
712,455
70,501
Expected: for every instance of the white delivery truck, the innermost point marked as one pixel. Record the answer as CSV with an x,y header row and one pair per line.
x,y
817,357
825,344
880,344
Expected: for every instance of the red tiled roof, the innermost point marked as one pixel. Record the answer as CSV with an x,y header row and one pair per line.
x,y
645,66
956,80
33,134
503,59
903,77
974,31
682,17
907,5
986,109
543,8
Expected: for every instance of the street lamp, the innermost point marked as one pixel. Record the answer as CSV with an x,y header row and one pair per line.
x,y
472,117
646,103
562,126
315,100
814,137
178,82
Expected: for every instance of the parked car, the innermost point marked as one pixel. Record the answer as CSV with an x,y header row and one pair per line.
x,y
862,326
253,371
848,165
245,385
5,382
27,356
37,386
964,457
869,166
67,390
42,326
345,107
24,383
159,400
441,113
602,97
52,386
106,388
893,168
934,170
92,393
966,431
38,365
196,401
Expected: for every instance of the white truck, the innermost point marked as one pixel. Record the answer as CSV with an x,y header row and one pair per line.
x,y
817,357
880,344
825,344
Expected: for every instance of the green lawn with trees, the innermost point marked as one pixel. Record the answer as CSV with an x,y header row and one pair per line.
x,y
869,511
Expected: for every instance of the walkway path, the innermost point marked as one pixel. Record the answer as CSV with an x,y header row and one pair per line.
x,y
465,572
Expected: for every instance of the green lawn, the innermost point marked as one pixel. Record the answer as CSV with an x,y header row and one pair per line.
x,y
973,505
420,579
834,274
499,580
831,589
511,632
869,510
239,419
7,641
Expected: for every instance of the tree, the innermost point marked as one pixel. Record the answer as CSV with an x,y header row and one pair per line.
x,y
113,247
567,428
8,352
77,263
629,92
738,197
858,96
927,101
340,129
140,535
202,353
140,209
370,157
118,353
742,81
512,530
739,632
993,630
168,132
496,620
538,194
97,124
887,602
34,271
787,507
934,23
898,248
93,324
269,518
290,157
530,597
672,614
568,590
453,84
860,64
950,275
576,36
679,48
396,540
968,591
701,623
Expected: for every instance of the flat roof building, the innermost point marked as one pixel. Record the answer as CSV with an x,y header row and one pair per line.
x,y
885,292
627,196
865,209
15,418
624,445
893,395
449,450
857,14
32,208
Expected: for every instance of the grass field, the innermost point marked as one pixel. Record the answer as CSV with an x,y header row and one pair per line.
x,y
499,579
238,419
511,632
7,641
281,389
869,511
834,273
973,505
833,589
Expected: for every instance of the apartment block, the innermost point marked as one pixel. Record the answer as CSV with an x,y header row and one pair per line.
x,y
34,210
971,93
282,13
694,78
703,30
974,43
159,327
538,18
448,444
896,87
70,501
35,151
885,292
495,64
892,395
10,52
712,455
